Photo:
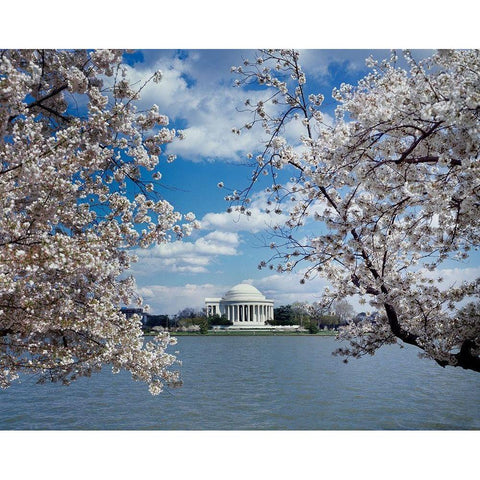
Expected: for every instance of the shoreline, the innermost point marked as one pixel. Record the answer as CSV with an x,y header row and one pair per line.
x,y
248,333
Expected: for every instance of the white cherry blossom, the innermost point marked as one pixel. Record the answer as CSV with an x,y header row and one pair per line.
x,y
72,142
392,191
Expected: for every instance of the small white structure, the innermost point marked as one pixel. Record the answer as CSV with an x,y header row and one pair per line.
x,y
243,304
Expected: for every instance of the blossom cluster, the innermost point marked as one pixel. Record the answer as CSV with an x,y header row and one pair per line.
x,y
67,222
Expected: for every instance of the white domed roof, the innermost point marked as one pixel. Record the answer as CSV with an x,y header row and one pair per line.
x,y
243,291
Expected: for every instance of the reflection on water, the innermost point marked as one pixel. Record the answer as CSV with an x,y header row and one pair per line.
x,y
272,382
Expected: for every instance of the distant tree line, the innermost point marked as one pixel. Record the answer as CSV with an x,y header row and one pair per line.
x,y
311,317
188,319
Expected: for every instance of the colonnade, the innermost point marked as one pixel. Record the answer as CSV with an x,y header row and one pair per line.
x,y
242,312
256,313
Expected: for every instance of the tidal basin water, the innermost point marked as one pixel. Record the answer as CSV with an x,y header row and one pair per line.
x,y
259,383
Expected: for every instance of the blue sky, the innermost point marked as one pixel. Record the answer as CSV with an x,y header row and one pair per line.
x,y
198,95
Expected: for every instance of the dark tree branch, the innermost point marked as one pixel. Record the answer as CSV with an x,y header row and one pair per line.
x,y
39,102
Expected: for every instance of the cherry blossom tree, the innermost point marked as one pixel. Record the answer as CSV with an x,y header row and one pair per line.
x,y
78,165
382,197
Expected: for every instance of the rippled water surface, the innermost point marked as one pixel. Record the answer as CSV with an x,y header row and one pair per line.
x,y
271,382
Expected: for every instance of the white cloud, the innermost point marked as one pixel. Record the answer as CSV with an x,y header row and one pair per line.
x,y
212,112
198,90
169,300
258,221
235,222
263,217
454,276
213,140
185,256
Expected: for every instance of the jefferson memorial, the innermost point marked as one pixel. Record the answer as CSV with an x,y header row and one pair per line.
x,y
243,304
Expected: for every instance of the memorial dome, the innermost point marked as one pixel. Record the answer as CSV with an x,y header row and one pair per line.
x,y
243,291
243,305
